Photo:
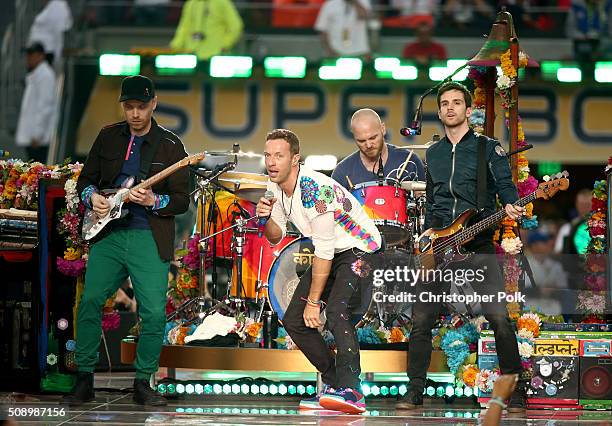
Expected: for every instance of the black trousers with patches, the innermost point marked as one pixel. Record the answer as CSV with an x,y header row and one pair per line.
x,y
343,369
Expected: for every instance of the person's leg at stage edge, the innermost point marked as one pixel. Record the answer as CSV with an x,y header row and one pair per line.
x,y
149,274
105,272
347,396
309,340
497,315
424,316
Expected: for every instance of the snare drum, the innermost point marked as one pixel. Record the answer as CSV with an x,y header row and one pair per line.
x,y
258,255
367,305
387,205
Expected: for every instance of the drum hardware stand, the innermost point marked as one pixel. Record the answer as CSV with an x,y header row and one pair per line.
x,y
200,302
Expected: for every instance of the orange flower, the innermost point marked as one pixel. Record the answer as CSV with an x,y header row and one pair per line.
x,y
397,336
530,325
529,210
253,329
469,375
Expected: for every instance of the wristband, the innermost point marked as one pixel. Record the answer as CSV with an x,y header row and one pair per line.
x,y
498,401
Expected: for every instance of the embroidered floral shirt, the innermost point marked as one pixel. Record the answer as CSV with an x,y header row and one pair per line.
x,y
321,209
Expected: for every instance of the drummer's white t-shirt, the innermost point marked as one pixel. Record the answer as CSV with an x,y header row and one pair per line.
x,y
323,210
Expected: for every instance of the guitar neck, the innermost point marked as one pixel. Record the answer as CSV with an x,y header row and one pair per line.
x,y
470,232
147,183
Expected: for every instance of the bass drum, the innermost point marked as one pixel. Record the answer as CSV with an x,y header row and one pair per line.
x,y
371,303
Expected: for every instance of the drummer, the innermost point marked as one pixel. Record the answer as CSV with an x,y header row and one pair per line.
x,y
363,165
342,234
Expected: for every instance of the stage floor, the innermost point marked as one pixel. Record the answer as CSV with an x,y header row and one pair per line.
x,y
115,407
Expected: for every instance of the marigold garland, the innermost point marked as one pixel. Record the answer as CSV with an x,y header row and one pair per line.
x,y
592,301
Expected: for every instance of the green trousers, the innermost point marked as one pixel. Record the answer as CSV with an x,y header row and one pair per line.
x,y
120,254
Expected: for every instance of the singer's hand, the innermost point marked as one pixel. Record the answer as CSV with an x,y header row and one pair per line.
x,y
264,207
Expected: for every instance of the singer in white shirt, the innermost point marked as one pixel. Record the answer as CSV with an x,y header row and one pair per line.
x,y
342,235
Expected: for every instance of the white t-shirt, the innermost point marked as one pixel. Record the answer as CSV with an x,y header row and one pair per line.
x,y
347,33
322,209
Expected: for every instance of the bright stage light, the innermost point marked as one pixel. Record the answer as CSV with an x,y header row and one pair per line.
x,y
341,69
394,68
365,389
603,72
112,64
231,66
175,64
285,67
569,75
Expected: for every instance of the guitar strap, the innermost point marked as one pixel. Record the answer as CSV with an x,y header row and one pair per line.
x,y
481,182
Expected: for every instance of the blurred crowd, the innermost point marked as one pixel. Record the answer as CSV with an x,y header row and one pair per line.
x,y
346,25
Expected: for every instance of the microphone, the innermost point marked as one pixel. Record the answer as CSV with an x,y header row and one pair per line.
x,y
4,153
269,195
381,173
409,131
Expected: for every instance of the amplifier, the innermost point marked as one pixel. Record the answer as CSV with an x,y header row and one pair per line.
x,y
596,373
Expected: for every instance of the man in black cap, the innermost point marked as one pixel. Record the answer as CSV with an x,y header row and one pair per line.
x,y
140,247
38,105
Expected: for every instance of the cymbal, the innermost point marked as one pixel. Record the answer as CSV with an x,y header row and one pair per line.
x,y
248,186
232,153
414,185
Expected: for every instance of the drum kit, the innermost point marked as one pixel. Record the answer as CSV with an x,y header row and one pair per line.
x,y
265,276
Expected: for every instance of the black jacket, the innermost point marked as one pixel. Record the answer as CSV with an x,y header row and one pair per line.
x,y
104,163
452,175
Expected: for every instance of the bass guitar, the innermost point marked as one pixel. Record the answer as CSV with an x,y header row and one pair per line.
x,y
436,248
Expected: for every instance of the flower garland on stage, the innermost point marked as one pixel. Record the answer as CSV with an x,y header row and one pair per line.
x,y
593,300
510,244
185,283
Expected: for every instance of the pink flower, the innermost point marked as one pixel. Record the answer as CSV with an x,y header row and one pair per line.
x,y
71,268
527,187
111,321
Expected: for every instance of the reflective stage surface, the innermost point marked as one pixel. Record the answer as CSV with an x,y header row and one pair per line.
x,y
114,405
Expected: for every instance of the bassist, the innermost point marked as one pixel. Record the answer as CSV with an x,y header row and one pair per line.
x,y
141,245
452,182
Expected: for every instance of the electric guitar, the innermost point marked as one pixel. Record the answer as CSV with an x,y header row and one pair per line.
x,y
92,224
436,248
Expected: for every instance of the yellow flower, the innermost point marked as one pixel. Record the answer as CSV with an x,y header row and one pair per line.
x,y
72,254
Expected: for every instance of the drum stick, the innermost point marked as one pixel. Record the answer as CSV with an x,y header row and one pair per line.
x,y
401,171
348,179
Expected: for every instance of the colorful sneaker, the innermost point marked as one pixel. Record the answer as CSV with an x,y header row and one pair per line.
x,y
313,403
346,400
